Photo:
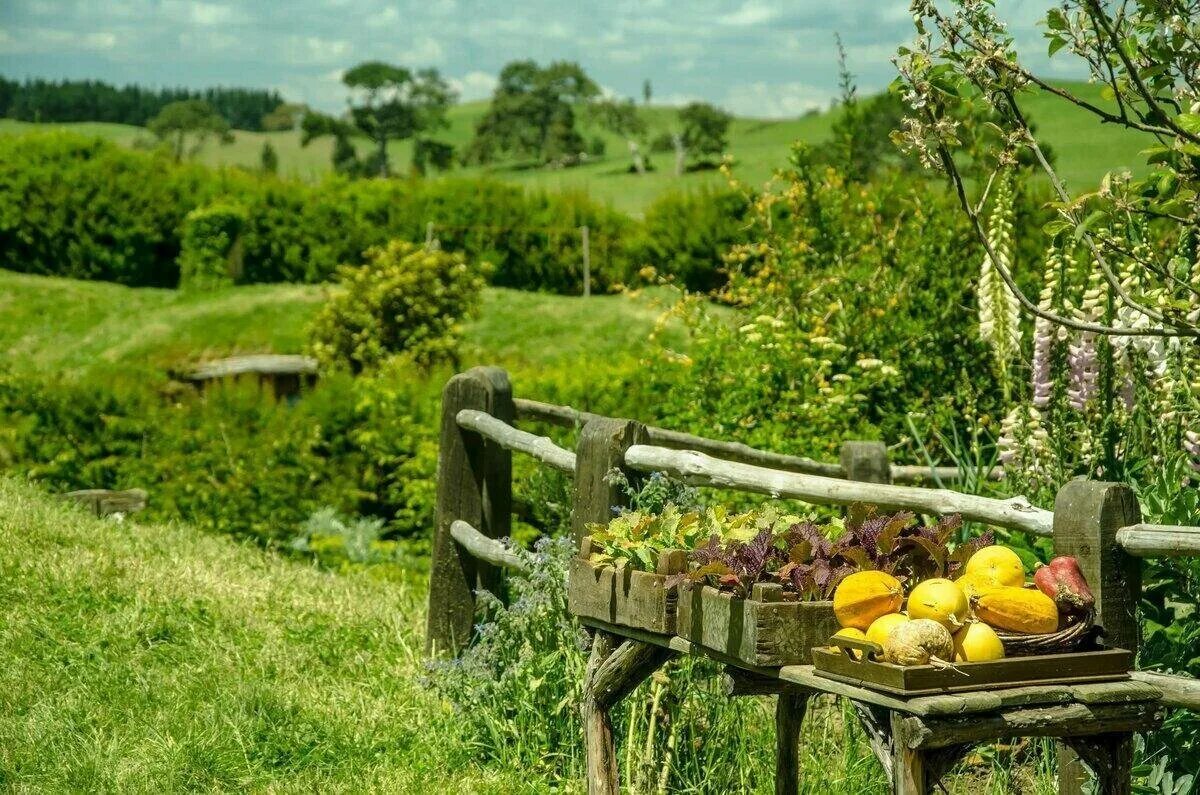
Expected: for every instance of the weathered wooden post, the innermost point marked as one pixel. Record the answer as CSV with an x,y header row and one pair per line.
x,y
1087,516
866,462
474,485
600,450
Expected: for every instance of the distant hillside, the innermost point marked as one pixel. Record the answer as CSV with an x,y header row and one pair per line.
x,y
1085,149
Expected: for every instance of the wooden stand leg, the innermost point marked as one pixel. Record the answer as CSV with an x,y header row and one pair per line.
x,y
1110,757
612,673
789,716
597,723
908,764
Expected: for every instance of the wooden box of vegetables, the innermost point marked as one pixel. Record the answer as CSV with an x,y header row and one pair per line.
x,y
765,601
620,575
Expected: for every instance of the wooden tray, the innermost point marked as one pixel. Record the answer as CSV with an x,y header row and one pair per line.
x,y
624,596
765,630
854,663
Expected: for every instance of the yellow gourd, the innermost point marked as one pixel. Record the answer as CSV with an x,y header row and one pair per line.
x,y
977,642
1018,610
998,563
880,627
918,642
940,600
865,596
975,585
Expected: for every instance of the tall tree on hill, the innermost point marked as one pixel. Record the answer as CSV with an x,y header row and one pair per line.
x,y
647,91
703,130
389,103
192,119
622,118
285,116
532,113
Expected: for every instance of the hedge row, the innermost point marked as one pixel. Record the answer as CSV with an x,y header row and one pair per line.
x,y
86,208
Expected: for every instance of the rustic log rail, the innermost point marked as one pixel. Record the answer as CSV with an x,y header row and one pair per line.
x,y
735,451
916,738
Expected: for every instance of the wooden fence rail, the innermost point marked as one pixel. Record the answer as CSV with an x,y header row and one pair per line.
x,y
734,451
1099,523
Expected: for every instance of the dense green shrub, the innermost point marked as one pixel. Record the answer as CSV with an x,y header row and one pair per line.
x,y
406,300
685,236
81,207
210,251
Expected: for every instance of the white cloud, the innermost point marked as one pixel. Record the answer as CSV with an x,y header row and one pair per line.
x,y
473,85
751,13
774,101
425,51
310,50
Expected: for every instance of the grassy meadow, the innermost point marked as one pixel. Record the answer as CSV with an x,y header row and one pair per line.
x,y
1085,151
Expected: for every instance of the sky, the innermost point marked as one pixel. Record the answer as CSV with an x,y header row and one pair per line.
x,y
753,57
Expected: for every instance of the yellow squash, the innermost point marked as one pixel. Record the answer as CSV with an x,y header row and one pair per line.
x,y
1018,610
940,600
977,642
880,627
999,563
865,596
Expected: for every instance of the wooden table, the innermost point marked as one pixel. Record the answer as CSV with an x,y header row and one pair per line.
x,y
917,740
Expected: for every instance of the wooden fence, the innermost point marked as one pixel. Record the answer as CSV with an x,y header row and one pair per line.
x,y
1098,523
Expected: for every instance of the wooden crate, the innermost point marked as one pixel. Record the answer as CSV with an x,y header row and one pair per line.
x,y
766,630
855,663
623,596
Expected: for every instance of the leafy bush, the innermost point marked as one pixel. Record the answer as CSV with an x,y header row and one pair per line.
x,y
86,208
210,252
406,299
685,236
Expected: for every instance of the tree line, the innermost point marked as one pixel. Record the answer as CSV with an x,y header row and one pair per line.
x,y
39,100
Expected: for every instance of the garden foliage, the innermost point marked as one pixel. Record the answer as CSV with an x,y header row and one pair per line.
x,y
406,300
210,247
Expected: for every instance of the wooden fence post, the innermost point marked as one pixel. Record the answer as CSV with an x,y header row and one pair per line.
x,y
866,462
1087,515
600,449
474,485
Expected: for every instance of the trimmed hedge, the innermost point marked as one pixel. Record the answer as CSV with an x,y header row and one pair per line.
x,y
82,207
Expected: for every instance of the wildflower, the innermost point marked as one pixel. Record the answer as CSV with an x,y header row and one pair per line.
x,y
869,364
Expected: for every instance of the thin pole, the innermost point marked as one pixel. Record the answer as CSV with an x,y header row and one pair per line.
x,y
587,263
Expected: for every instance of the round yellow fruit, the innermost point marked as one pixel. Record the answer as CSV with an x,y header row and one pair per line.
x,y
974,586
850,633
1000,564
940,600
865,596
977,642
880,627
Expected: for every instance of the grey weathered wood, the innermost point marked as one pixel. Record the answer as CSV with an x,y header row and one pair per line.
x,y
597,723
1059,720
1177,691
743,683
599,451
1110,756
1159,541
735,451
1015,513
621,596
105,502
790,707
483,548
627,666
540,447
908,763
475,486
866,462
877,724
286,374
760,633
1087,517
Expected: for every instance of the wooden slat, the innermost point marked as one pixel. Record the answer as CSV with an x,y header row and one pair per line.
x,y
540,447
1177,691
1160,541
694,467
259,363
483,548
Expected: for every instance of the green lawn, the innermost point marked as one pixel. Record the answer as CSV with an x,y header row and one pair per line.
x,y
1085,150
51,323
159,659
